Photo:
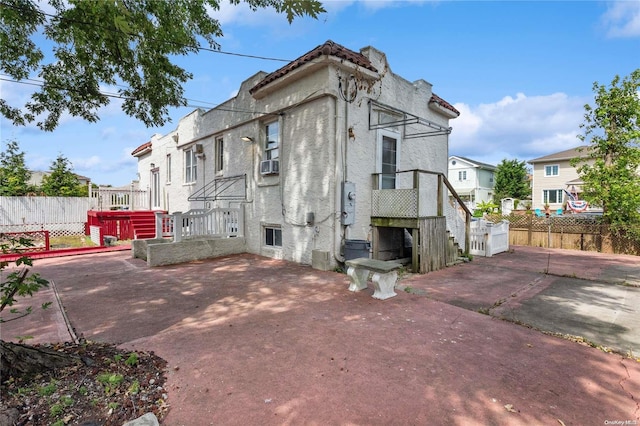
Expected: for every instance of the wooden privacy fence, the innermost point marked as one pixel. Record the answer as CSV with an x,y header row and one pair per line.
x,y
567,232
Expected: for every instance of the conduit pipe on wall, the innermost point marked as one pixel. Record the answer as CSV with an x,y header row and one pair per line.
x,y
339,160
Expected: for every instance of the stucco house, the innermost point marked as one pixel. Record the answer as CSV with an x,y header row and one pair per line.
x,y
329,152
472,180
554,177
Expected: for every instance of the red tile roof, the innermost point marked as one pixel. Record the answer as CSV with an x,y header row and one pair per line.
x,y
328,48
141,148
444,104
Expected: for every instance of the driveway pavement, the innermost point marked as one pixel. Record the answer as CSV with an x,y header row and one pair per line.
x,y
592,296
257,341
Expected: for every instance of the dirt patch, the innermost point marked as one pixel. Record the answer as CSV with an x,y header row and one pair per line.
x,y
109,386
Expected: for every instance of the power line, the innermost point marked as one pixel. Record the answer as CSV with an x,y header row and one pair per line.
x,y
197,47
38,83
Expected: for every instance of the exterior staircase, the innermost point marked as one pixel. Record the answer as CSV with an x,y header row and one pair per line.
x,y
454,252
144,224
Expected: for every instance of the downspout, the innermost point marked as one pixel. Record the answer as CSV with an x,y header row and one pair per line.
x,y
338,178
345,137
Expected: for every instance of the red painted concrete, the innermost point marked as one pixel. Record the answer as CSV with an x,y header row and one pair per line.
x,y
256,341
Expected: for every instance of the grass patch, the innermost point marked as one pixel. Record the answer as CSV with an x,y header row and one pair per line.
x,y
71,241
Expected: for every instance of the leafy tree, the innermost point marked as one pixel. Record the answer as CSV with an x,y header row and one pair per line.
x,y
611,168
485,207
511,180
62,182
14,175
109,42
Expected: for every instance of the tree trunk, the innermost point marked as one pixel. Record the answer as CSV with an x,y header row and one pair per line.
x,y
18,360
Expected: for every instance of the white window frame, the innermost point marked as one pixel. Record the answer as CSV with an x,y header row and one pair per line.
x,y
550,168
190,165
382,133
272,147
547,192
462,175
219,154
155,188
168,172
274,233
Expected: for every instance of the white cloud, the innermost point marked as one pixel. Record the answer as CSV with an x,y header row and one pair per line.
x,y
519,127
622,19
86,163
241,13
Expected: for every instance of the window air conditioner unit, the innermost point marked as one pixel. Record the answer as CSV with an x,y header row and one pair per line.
x,y
269,167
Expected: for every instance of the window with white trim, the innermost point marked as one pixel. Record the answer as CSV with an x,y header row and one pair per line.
x,y
219,154
552,196
272,142
462,175
190,165
553,170
272,236
168,177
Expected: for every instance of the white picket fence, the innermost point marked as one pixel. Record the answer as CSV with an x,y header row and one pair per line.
x,y
200,222
487,239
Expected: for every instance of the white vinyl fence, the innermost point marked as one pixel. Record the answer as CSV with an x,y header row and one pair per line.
x,y
61,216
64,216
488,238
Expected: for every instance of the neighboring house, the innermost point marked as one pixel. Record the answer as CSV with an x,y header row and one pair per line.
x,y
303,151
37,177
552,176
472,180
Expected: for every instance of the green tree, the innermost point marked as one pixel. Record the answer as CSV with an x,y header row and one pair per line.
x,y
611,168
109,42
62,182
511,180
14,175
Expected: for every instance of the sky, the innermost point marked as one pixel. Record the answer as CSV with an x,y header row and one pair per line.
x,y
519,72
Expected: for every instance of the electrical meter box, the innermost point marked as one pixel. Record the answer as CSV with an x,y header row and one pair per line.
x,y
348,216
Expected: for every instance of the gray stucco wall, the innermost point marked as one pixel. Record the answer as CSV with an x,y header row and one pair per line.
x,y
317,153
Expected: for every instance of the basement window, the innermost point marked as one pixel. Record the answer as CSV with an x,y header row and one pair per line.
x,y
272,236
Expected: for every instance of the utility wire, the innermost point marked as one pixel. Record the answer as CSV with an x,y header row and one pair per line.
x,y
192,103
197,47
217,107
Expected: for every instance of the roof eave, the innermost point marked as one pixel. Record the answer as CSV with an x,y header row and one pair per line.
x,y
142,152
310,67
435,106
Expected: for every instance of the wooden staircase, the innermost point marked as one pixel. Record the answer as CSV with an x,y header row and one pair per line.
x,y
454,252
144,224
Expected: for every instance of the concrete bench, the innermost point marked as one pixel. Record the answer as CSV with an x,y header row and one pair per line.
x,y
385,275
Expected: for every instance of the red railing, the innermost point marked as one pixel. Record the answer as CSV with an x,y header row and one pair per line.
x,y
39,239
